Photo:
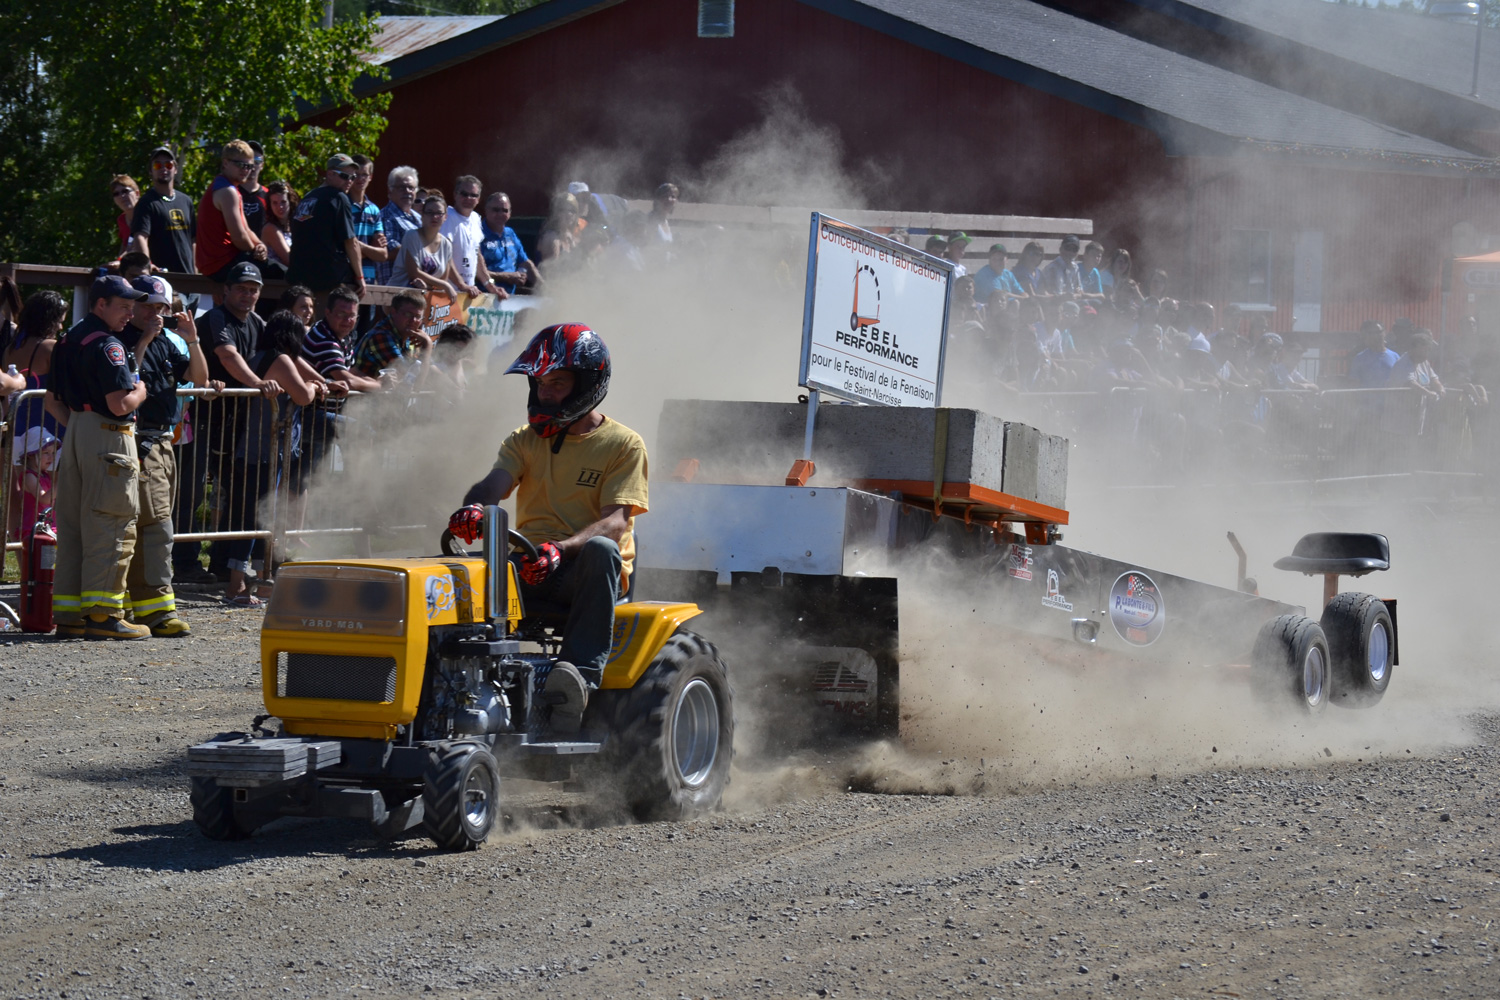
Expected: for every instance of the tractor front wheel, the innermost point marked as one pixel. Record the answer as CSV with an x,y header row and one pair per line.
x,y
459,795
672,734
213,810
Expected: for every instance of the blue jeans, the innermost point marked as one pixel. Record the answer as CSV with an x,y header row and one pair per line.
x,y
589,585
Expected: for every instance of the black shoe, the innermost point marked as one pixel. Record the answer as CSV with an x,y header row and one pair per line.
x,y
565,681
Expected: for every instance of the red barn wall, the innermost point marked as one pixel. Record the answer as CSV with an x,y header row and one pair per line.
x,y
634,92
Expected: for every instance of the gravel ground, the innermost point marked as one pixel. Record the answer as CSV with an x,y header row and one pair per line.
x,y
1335,877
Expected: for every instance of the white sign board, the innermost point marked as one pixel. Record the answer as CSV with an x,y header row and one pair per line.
x,y
875,324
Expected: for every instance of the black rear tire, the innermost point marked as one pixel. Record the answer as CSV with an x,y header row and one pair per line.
x,y
460,796
213,810
672,735
1290,664
1361,639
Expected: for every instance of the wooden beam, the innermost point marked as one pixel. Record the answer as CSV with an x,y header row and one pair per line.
x,y
759,215
82,277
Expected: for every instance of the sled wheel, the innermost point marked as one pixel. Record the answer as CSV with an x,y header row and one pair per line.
x,y
672,734
1361,641
458,796
213,810
1290,663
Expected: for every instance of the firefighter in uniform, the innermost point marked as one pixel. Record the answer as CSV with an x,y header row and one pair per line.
x,y
97,470
162,362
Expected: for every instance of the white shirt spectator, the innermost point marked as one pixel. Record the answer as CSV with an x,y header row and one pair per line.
x,y
465,233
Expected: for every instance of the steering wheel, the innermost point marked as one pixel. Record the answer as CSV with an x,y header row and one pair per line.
x,y
452,547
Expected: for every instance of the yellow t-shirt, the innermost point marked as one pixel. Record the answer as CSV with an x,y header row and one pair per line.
x,y
559,495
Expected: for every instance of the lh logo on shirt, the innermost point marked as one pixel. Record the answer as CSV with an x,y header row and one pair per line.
x,y
589,477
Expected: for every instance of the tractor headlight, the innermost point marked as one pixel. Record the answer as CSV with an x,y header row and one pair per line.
x,y
354,600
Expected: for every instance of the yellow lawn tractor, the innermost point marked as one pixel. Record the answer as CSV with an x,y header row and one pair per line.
x,y
403,696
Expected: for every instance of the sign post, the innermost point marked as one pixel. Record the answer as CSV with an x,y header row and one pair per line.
x,y
874,323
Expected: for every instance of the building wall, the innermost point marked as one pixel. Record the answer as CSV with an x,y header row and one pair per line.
x,y
630,96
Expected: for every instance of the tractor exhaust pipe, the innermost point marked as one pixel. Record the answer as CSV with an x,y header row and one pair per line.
x,y
496,572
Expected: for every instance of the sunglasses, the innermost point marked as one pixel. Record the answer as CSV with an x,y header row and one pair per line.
x,y
347,177
242,164
121,192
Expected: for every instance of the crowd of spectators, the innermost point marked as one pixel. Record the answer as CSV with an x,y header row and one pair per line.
x,y
1024,324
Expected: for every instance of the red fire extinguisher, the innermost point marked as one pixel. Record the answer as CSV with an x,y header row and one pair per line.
x,y
38,560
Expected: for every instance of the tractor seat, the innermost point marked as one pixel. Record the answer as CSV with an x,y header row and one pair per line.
x,y
1345,553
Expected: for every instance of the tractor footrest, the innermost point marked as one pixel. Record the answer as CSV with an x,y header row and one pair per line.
x,y
454,648
244,761
561,748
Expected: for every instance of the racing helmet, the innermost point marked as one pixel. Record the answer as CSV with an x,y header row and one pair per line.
x,y
570,346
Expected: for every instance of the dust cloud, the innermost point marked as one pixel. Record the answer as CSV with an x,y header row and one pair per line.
x,y
986,709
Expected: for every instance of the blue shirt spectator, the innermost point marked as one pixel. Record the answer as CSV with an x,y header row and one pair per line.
x,y
1371,368
504,257
994,277
1091,282
399,217
1060,276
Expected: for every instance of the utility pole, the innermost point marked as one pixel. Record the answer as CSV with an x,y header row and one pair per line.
x,y
1478,39
328,23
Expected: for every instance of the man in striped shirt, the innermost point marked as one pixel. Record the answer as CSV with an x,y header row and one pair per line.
x,y
329,348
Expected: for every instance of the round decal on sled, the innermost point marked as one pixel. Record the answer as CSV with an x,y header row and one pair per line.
x,y
1136,609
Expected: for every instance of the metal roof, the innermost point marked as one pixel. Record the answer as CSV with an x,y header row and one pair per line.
x,y
1195,107
1426,50
399,36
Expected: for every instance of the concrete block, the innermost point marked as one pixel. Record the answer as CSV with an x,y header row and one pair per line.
x,y
755,443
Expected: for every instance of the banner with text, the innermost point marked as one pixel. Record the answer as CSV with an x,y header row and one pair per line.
x,y
875,323
493,320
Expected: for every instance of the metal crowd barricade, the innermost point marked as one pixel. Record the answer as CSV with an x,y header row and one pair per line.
x,y
228,472
345,446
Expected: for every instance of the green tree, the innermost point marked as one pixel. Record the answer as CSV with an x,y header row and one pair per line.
x,y
83,98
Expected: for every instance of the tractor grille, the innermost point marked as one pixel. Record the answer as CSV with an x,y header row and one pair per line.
x,y
325,675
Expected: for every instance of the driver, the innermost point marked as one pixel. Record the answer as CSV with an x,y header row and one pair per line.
x,y
582,480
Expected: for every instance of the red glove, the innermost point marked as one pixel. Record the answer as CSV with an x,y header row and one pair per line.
x,y
548,558
467,523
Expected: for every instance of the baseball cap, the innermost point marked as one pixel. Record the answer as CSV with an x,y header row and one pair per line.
x,y
163,151
577,187
998,248
244,272
959,238
158,292
112,286
1070,241
340,161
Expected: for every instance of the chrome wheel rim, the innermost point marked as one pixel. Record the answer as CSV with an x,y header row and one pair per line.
x,y
1379,652
1314,675
477,797
695,732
